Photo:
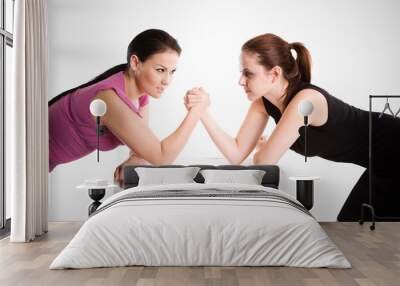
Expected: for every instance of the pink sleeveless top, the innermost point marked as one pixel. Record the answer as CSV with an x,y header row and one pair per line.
x,y
72,130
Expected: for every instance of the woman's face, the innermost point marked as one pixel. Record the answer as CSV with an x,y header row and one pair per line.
x,y
156,72
255,79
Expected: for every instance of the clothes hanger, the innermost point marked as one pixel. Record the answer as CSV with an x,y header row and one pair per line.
x,y
387,107
397,112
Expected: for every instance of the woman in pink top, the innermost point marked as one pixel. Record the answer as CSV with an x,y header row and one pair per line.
x,y
152,57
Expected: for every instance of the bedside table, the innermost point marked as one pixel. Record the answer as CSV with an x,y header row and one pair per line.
x,y
305,190
96,190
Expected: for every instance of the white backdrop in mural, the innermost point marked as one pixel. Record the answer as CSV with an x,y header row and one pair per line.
x,y
354,46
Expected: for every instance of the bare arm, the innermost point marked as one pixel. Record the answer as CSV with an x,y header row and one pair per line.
x,y
134,132
238,149
146,116
286,131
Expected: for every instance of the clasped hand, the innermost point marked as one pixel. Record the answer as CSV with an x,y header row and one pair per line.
x,y
197,99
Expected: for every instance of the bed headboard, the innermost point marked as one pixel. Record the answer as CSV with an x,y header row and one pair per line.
x,y
270,179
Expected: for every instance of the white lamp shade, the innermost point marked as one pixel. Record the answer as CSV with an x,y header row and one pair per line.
x,y
98,107
305,108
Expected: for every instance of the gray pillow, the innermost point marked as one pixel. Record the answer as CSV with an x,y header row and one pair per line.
x,y
162,176
248,177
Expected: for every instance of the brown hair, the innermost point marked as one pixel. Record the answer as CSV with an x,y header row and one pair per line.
x,y
274,51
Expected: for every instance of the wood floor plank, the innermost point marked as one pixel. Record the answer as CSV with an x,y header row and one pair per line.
x,y
374,255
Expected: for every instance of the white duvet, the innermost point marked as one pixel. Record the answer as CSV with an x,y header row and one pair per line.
x,y
200,231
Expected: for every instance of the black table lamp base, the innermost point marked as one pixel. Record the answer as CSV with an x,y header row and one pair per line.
x,y
96,195
305,193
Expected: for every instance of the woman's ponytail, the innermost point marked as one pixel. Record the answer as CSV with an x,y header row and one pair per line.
x,y
303,60
104,75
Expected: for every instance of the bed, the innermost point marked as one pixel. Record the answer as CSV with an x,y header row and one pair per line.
x,y
202,223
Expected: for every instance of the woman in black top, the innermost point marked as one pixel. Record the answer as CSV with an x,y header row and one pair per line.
x,y
276,81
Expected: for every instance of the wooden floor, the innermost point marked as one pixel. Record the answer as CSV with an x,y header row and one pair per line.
x,y
374,255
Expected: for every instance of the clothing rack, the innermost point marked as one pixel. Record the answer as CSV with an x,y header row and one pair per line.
x,y
369,205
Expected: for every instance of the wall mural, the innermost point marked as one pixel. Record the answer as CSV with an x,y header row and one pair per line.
x,y
112,109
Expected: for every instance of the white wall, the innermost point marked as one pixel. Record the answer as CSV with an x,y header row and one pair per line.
x,y
354,44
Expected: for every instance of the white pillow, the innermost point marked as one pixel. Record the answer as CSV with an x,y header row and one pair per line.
x,y
162,176
248,177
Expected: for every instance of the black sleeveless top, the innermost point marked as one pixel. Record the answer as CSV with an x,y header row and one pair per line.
x,y
344,137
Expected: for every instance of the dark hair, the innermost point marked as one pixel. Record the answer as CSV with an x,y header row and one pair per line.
x,y
144,45
274,51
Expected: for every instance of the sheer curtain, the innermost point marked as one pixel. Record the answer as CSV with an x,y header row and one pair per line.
x,y
27,123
